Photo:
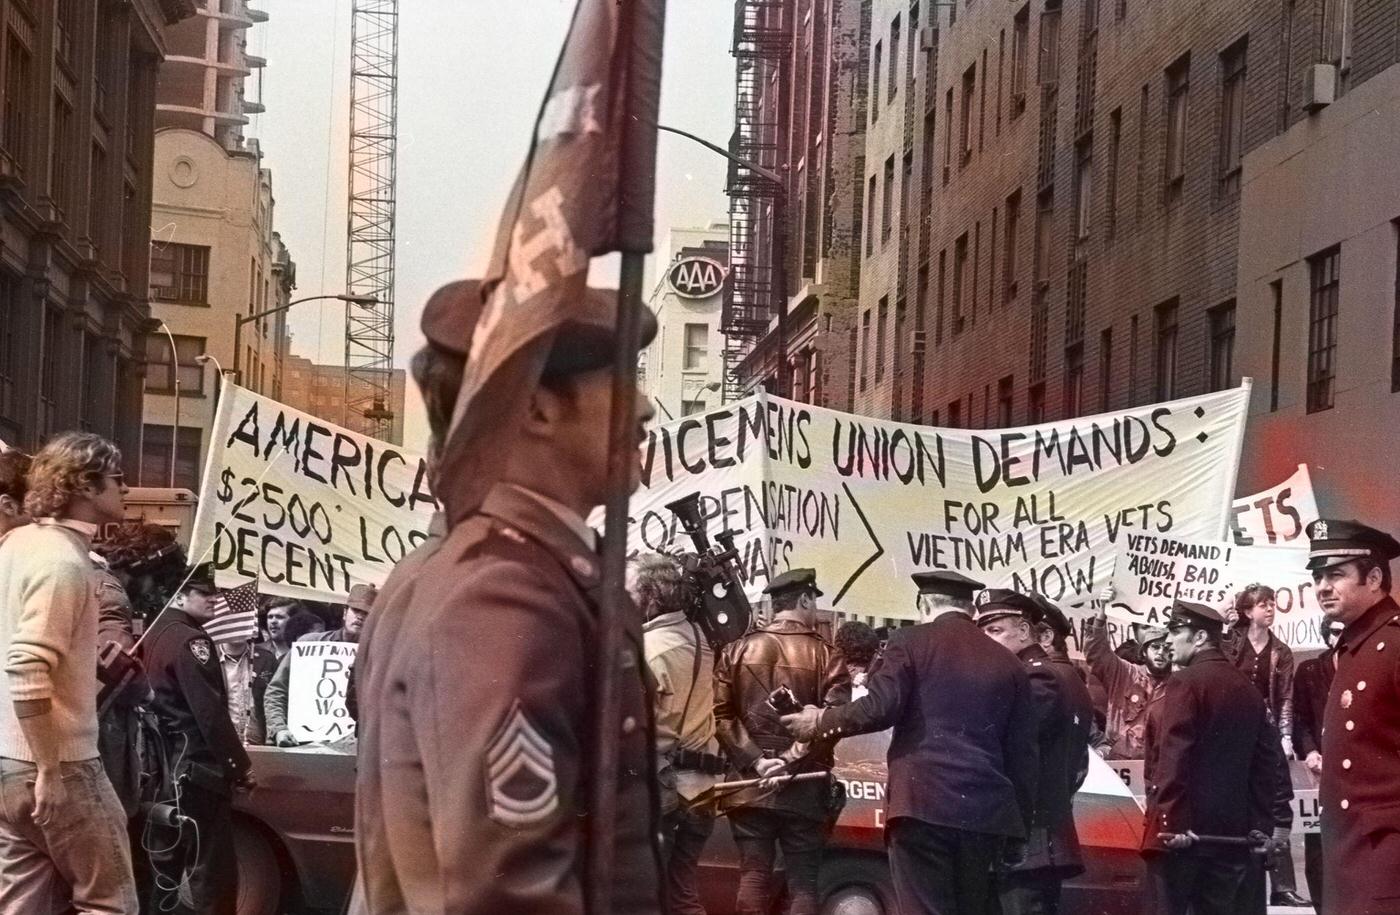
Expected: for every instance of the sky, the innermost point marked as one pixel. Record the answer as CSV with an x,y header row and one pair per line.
x,y
472,74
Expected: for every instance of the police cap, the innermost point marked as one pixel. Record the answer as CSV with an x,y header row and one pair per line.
x,y
999,603
583,343
947,583
794,580
1196,616
1052,616
1336,542
200,578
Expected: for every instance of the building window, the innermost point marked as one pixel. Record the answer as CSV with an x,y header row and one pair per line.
x,y
18,79
9,319
1232,97
893,79
959,277
180,273
1074,380
1115,145
1222,346
1132,361
1164,362
159,376
865,350
1083,187
877,66
982,107
697,347
1008,248
948,137
1337,19
906,212
1035,403
942,301
870,218
1049,61
1105,369
1044,216
61,157
691,407
50,370
1141,187
887,202
1324,284
1020,42
955,415
969,92
1276,363
882,317
1005,394
66,27
1120,10
155,457
1395,320
1091,17
1178,92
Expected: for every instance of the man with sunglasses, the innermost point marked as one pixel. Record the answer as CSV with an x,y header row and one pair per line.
x,y
1133,689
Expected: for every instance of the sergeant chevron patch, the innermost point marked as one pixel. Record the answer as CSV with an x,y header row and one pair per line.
x,y
520,778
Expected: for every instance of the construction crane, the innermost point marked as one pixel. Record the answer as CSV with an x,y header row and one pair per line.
x,y
369,255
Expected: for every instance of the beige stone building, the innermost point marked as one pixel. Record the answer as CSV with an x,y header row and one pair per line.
x,y
682,371
320,390
214,253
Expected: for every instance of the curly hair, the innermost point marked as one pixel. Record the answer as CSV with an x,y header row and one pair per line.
x,y
64,466
659,585
857,642
139,548
14,473
1251,597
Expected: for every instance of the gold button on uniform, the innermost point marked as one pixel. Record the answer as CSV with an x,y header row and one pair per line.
x,y
1361,686
1346,764
629,724
1346,804
1351,725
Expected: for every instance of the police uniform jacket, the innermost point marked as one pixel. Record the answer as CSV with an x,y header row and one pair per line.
x,y
1211,756
789,653
1064,715
476,726
964,752
1360,789
1132,692
190,700
1310,687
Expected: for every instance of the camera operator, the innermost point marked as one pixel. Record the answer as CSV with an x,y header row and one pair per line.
x,y
682,663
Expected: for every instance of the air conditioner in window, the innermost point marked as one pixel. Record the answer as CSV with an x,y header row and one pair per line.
x,y
928,38
1320,86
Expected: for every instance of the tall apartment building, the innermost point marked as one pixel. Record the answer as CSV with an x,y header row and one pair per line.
x,y
215,255
800,90
682,371
319,389
1062,218
77,83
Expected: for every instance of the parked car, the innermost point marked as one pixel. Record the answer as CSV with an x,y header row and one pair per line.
x,y
294,837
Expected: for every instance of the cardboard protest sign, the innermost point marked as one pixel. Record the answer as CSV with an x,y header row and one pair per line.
x,y
1298,621
317,678
306,507
868,502
1152,572
1277,516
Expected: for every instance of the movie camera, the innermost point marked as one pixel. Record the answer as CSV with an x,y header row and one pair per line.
x,y
721,608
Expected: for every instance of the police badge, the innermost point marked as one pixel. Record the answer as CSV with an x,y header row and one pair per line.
x,y
201,650
1346,698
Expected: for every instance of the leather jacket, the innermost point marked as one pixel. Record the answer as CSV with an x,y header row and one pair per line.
x,y
788,653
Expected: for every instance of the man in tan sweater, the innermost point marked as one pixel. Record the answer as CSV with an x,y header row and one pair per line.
x,y
62,828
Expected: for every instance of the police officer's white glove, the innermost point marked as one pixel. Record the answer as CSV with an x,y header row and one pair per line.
x,y
1314,763
284,738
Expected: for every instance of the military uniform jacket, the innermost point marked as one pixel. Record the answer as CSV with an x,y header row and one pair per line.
x,y
1064,716
1211,756
1360,790
190,700
476,727
964,752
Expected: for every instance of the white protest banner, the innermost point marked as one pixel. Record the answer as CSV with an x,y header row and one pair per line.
x,y
316,682
1154,571
868,502
304,506
1277,516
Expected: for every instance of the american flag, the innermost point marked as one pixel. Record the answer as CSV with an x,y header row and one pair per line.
x,y
235,615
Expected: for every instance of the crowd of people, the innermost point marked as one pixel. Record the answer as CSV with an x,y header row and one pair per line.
x,y
126,708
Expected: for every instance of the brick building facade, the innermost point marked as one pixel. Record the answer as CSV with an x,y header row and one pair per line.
x,y
78,82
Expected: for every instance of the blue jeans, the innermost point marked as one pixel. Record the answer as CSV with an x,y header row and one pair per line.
x,y
80,859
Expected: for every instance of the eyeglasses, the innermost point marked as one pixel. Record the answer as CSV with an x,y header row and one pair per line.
x,y
119,477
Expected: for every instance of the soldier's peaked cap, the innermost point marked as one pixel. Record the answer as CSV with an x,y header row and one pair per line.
x,y
947,583
794,580
999,603
583,343
1197,616
1336,542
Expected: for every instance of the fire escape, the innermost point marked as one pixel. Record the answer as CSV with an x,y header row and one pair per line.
x,y
762,44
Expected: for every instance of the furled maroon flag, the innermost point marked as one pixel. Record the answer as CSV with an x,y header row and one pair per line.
x,y
587,189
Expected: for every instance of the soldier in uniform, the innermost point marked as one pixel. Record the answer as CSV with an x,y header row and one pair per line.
x,y
787,652
1360,790
474,678
1212,758
1064,714
1133,689
963,757
204,759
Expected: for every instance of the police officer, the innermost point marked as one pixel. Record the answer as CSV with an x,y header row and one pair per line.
x,y
474,677
1360,790
1211,763
204,761
1064,714
963,757
787,652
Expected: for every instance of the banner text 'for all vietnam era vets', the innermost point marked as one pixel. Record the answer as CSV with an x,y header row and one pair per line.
x,y
868,502
306,507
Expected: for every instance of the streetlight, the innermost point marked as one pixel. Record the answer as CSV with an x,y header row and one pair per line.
x,y
175,376
363,301
205,359
710,388
779,241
